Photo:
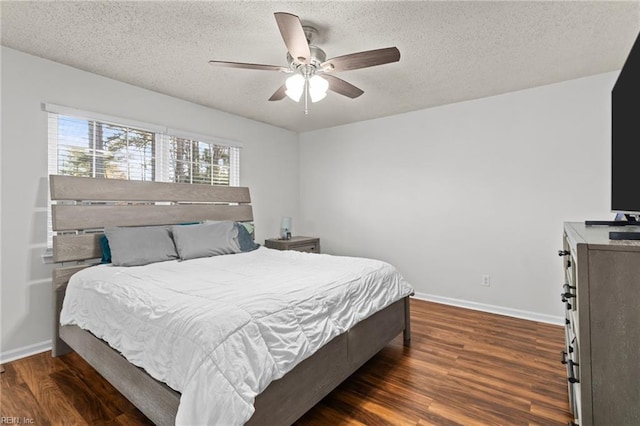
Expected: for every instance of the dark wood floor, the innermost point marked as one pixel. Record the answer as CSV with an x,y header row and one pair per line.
x,y
463,368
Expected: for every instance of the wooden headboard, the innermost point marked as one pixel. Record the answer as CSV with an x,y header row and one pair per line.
x,y
82,207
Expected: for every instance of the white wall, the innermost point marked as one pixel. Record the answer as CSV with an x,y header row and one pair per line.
x,y
27,82
451,193
446,194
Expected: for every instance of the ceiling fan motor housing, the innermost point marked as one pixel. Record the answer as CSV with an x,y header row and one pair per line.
x,y
317,58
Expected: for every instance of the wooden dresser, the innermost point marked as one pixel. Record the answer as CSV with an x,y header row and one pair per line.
x,y
601,294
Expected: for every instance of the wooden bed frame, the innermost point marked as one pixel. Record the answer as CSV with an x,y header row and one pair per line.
x,y
84,206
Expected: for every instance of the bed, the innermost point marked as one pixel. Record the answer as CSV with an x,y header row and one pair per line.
x,y
84,207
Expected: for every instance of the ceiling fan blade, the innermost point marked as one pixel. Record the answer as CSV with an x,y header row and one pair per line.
x,y
354,61
250,66
342,87
293,36
279,94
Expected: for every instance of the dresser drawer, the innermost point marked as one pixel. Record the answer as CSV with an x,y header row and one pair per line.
x,y
571,353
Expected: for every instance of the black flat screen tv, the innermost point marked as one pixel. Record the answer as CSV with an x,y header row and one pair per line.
x,y
625,136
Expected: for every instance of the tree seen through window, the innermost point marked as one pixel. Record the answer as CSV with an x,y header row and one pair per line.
x,y
94,149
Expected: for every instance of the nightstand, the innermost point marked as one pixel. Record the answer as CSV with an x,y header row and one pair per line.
x,y
306,244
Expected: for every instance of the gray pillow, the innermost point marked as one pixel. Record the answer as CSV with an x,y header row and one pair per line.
x,y
206,239
134,246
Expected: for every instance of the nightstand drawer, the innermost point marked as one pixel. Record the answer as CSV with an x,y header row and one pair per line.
x,y
309,248
305,244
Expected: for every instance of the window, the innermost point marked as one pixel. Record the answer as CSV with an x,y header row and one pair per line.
x,y
95,145
92,148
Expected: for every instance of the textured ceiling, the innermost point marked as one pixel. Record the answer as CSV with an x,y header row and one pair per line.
x,y
451,51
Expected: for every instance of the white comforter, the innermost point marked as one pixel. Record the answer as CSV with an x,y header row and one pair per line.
x,y
220,329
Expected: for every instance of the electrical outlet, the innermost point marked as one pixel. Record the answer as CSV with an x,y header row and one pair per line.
x,y
486,280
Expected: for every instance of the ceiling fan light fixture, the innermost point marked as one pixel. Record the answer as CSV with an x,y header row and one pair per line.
x,y
318,87
318,96
295,87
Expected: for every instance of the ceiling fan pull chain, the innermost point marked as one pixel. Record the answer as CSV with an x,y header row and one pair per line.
x,y
306,96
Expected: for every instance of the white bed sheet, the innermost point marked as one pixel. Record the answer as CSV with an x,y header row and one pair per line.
x,y
220,329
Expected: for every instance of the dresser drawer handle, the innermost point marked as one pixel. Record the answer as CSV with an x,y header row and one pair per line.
x,y
572,377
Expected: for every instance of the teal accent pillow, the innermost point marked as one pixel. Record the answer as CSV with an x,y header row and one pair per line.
x,y
245,239
106,250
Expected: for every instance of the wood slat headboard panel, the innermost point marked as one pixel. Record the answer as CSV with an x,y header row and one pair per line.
x,y
76,247
61,276
75,188
131,205
78,217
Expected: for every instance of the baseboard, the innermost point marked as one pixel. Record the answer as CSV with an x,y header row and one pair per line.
x,y
25,351
516,313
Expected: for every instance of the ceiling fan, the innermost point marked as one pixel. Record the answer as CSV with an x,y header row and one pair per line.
x,y
312,72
